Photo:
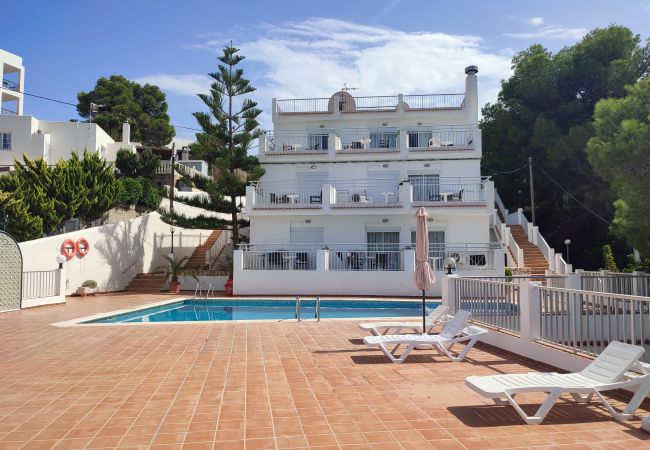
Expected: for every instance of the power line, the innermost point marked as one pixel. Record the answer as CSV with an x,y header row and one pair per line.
x,y
573,197
49,99
505,172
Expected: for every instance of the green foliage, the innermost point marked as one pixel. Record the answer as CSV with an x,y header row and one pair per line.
x,y
100,188
609,263
138,193
175,267
229,128
544,110
132,165
620,154
91,284
508,272
22,225
144,107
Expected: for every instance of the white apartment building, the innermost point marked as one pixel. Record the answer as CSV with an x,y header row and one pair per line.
x,y
45,139
334,213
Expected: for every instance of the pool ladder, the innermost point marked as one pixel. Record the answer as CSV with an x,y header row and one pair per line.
x,y
316,314
198,289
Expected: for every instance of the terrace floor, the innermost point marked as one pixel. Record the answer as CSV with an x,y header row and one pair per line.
x,y
256,385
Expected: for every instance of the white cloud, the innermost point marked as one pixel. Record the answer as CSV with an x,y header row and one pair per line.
x,y
536,21
551,32
314,57
184,84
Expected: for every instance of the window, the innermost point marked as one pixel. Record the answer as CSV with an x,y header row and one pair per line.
x,y
383,140
436,248
383,250
419,138
5,143
318,141
426,188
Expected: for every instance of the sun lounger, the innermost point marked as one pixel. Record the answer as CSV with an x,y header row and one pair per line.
x,y
454,331
436,317
605,373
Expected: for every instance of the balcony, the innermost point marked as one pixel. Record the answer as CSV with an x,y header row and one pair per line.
x,y
422,190
10,85
364,257
329,142
345,103
8,112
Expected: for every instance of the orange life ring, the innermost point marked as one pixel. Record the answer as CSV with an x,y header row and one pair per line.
x,y
82,247
68,248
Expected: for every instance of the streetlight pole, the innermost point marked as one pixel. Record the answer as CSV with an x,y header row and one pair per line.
x,y
172,230
519,193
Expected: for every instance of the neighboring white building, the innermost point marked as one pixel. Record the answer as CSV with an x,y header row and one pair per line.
x,y
12,74
334,213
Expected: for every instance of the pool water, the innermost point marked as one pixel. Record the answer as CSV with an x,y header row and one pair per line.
x,y
206,310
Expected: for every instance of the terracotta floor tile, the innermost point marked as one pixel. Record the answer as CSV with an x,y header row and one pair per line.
x,y
287,385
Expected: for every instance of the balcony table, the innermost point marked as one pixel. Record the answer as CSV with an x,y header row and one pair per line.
x,y
446,195
386,195
293,198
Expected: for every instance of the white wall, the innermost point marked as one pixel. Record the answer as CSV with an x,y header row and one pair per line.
x,y
23,138
117,251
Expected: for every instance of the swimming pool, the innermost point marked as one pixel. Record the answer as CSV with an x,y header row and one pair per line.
x,y
190,310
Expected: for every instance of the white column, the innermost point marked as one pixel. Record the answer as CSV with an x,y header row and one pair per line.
x,y
327,197
471,93
21,87
488,193
61,278
449,291
250,196
403,143
406,194
238,269
409,261
261,147
334,144
477,140
322,260
529,311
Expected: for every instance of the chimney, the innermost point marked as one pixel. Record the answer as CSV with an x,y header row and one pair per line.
x,y
126,133
471,93
185,154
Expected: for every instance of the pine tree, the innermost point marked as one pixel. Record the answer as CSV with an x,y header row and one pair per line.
x,y
100,187
229,128
21,225
609,263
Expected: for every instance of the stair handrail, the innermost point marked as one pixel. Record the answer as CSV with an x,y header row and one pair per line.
x,y
198,288
502,208
515,249
217,247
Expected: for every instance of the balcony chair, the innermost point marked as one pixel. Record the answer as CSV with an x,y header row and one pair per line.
x,y
302,261
455,331
458,197
277,260
606,373
318,198
434,197
355,260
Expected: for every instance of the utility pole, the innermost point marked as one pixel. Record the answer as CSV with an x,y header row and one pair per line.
x,y
532,188
171,186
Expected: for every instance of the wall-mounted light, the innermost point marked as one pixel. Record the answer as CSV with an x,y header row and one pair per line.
x,y
430,219
322,126
427,165
419,123
384,124
312,167
384,220
384,165
308,221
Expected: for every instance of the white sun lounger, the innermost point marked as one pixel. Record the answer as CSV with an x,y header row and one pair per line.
x,y
436,317
454,331
605,373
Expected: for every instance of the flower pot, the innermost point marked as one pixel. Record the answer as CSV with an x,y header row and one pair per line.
x,y
174,287
83,291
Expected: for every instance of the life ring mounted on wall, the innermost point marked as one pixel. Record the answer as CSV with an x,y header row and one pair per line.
x,y
68,248
82,247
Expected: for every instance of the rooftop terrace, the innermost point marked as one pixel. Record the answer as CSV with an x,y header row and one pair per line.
x,y
257,385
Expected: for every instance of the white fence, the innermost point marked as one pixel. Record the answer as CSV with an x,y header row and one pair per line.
x,y
218,246
490,302
279,259
39,283
635,283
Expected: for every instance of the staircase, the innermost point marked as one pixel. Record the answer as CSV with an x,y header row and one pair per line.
x,y
533,257
147,282
197,260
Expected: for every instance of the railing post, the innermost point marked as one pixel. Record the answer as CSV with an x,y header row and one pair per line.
x,y
488,193
237,265
61,282
449,292
535,233
261,149
250,196
322,260
409,260
333,144
326,196
529,314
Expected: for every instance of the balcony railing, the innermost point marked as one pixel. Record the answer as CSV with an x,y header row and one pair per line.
x,y
448,190
8,84
371,140
288,194
348,104
363,256
8,112
366,193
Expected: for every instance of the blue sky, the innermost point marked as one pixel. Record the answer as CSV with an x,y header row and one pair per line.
x,y
294,49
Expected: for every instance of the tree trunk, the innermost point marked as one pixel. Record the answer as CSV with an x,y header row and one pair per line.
x,y
235,223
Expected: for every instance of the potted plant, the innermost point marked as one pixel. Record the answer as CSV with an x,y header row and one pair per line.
x,y
174,268
87,287
227,266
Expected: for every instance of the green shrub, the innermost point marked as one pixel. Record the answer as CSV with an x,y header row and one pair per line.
x,y
91,284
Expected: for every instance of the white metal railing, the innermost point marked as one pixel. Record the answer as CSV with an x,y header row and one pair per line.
x,y
496,303
546,280
165,168
468,257
355,139
453,190
8,84
8,112
424,138
365,192
212,254
500,206
281,193
636,283
296,141
389,258
279,259
587,321
349,104
39,284
516,251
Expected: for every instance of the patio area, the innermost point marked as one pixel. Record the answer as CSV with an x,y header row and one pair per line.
x,y
257,385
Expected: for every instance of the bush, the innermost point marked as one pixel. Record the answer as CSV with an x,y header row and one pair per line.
x,y
91,284
609,263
